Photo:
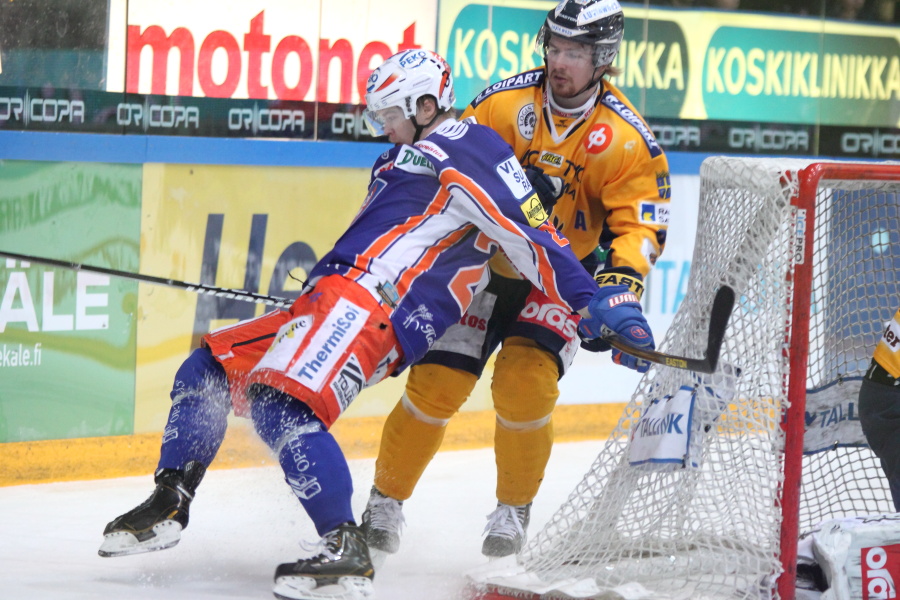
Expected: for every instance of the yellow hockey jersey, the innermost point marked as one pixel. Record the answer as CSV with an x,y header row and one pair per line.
x,y
887,352
616,177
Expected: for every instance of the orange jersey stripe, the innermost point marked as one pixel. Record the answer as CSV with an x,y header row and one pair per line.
x,y
451,177
410,274
383,242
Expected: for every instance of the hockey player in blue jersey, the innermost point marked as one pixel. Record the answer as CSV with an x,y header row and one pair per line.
x,y
439,205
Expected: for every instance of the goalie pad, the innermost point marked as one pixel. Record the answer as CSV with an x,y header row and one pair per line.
x,y
860,556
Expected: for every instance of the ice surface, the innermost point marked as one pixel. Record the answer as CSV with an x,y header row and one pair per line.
x,y
246,521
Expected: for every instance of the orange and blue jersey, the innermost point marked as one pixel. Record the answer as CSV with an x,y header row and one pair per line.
x,y
435,213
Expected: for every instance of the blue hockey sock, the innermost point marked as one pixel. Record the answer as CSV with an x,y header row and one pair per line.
x,y
313,463
199,414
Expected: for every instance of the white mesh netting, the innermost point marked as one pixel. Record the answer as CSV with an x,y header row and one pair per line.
x,y
709,527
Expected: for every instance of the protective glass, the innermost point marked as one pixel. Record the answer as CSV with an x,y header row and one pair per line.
x,y
376,120
584,54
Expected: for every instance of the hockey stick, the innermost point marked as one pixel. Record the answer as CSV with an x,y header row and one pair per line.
x,y
718,321
201,288
721,311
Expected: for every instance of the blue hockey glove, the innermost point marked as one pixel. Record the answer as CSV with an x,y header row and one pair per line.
x,y
617,309
548,188
632,362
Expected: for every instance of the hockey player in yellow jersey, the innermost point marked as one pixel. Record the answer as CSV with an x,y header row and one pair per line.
x,y
582,143
879,405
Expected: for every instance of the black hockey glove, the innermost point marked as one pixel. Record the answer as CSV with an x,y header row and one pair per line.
x,y
548,188
595,345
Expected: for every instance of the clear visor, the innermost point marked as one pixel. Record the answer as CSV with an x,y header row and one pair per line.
x,y
377,120
600,52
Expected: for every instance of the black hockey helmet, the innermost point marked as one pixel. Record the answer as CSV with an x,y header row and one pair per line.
x,y
596,23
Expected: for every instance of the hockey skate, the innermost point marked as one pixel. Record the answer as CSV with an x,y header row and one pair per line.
x,y
343,571
381,523
506,530
157,523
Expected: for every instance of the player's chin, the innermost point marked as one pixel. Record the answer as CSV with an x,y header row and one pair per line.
x,y
562,88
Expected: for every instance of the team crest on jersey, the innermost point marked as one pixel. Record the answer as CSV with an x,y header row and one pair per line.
x,y
549,158
664,185
598,138
526,121
655,212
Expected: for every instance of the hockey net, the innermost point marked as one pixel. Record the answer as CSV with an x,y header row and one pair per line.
x,y
812,252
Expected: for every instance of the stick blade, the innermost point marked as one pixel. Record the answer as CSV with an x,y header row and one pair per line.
x,y
722,306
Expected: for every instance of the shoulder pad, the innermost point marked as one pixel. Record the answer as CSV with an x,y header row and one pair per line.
x,y
385,161
532,78
609,100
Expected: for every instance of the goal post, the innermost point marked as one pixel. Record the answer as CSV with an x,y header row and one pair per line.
x,y
707,483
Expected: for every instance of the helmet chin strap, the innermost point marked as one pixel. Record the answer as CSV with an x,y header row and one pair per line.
x,y
593,82
421,128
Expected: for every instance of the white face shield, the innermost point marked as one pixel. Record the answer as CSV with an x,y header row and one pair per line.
x,y
376,120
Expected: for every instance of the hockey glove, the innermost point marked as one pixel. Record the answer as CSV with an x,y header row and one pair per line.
x,y
548,188
605,277
594,345
616,309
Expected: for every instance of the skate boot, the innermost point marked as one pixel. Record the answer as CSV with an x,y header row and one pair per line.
x,y
382,521
506,530
157,523
343,570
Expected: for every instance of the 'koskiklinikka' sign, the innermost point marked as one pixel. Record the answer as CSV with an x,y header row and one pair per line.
x,y
732,66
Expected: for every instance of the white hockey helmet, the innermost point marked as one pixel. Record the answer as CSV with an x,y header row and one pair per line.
x,y
404,78
596,23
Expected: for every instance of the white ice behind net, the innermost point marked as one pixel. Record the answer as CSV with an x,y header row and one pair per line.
x,y
712,531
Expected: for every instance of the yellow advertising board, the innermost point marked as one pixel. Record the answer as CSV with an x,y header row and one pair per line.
x,y
229,226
